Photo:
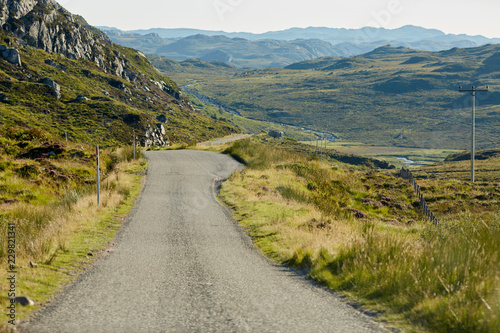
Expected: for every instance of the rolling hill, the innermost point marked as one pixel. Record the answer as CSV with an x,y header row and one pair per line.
x,y
390,96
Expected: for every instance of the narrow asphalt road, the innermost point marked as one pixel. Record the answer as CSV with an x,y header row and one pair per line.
x,y
181,264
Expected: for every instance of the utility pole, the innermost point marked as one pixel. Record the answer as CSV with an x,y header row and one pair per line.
x,y
98,177
134,142
473,93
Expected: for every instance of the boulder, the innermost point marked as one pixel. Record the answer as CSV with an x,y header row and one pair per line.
x,y
81,98
162,119
24,301
161,129
50,63
12,56
53,84
276,134
117,84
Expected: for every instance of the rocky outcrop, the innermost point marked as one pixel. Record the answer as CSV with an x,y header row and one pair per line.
x,y
169,90
156,136
46,25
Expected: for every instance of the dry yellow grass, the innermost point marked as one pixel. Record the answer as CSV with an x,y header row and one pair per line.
x,y
58,236
425,279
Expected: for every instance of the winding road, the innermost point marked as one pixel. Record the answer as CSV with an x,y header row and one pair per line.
x,y
182,264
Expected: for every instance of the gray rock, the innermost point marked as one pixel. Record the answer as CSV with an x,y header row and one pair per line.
x,y
161,129
162,119
51,83
276,134
50,63
3,48
171,92
56,87
117,84
12,56
24,301
81,98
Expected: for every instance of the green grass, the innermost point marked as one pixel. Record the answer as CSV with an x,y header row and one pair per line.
x,y
302,212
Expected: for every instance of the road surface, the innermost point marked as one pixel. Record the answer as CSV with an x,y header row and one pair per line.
x,y
181,264
226,140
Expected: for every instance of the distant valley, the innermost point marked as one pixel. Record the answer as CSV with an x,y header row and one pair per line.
x,y
389,96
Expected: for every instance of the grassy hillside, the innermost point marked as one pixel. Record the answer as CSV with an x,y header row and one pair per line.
x,y
114,106
391,96
361,232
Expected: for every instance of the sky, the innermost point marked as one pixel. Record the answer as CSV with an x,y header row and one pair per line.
x,y
478,17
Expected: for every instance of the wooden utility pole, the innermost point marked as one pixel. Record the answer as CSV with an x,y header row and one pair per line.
x,y
98,177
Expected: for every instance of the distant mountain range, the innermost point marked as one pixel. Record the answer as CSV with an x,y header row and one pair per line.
x,y
282,48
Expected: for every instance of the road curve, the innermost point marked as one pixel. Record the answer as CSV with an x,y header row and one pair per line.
x,y
181,264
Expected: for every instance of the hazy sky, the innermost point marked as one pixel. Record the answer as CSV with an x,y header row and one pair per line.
x,y
480,17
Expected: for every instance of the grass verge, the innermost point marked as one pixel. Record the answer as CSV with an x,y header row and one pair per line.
x,y
360,232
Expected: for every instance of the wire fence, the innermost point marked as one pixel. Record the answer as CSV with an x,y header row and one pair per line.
x,y
406,174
